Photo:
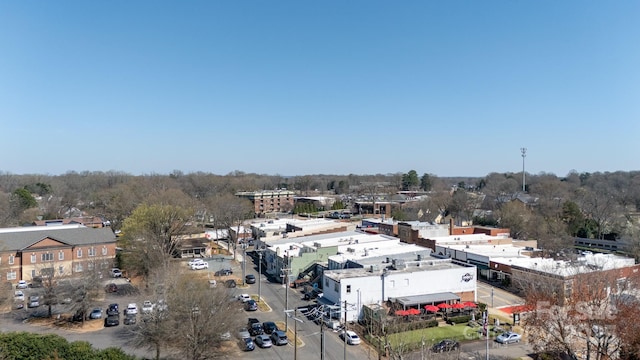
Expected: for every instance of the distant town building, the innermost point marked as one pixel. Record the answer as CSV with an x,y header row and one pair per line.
x,y
269,201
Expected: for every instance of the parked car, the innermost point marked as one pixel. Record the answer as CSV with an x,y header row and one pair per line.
x,y
18,305
131,309
113,310
130,319
95,314
244,297
200,266
445,345
252,321
116,273
230,283
351,337
224,272
256,329
250,279
279,338
34,301
147,307
243,333
111,288
263,341
195,261
269,327
248,344
251,305
112,320
19,295
22,285
509,337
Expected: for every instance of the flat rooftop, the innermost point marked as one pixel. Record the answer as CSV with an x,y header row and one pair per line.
x,y
463,239
584,264
430,264
490,251
343,240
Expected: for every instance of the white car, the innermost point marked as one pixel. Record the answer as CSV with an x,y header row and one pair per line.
x,y
351,337
147,307
131,309
19,295
22,285
194,262
200,266
116,273
244,297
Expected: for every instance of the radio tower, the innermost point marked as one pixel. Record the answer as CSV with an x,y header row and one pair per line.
x,y
524,154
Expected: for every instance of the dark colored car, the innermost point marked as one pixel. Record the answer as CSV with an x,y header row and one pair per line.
x,y
224,272
112,320
113,310
263,341
248,344
251,305
130,319
269,327
252,321
230,283
445,345
279,338
111,288
256,329
250,279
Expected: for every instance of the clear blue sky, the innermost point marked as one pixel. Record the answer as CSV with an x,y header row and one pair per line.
x,y
307,87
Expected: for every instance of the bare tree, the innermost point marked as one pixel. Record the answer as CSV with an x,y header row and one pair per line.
x,y
193,316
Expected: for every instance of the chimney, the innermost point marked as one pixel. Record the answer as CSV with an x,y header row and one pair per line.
x,y
450,226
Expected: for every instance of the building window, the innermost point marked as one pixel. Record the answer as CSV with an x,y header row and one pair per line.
x,y
92,251
33,258
348,289
335,287
104,251
79,253
46,257
33,273
91,266
60,269
61,255
79,267
11,259
326,282
11,275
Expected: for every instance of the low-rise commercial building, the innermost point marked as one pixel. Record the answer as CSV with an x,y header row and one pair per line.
x,y
64,250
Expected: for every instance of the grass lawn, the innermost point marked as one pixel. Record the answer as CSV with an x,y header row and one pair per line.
x,y
413,339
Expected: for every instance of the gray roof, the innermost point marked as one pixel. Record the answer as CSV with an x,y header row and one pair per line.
x,y
13,241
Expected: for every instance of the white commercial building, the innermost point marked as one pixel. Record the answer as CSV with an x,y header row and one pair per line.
x,y
417,282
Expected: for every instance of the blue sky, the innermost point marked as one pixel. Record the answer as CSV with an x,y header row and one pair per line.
x,y
452,88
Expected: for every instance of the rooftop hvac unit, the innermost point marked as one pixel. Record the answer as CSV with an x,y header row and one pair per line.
x,y
419,258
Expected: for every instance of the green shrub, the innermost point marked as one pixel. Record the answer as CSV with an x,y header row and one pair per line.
x,y
463,319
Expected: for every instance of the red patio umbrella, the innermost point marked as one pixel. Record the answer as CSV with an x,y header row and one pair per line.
x,y
401,312
431,308
458,306
470,304
413,311
442,306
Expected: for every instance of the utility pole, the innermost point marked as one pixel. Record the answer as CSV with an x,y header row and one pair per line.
x,y
322,334
259,275
285,277
524,154
244,264
345,330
